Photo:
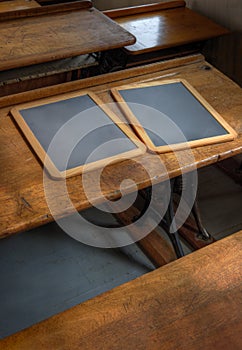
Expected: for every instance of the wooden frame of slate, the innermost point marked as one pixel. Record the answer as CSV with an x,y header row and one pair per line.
x,y
41,120
176,99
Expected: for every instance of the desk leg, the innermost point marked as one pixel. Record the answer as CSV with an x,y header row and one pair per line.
x,y
192,231
168,224
167,221
202,232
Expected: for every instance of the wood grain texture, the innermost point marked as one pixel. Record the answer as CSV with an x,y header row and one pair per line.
x,y
193,303
21,184
180,25
14,5
32,40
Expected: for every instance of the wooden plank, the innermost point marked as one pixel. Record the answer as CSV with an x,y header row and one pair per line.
x,y
181,26
157,249
16,5
136,73
134,10
192,303
22,196
51,36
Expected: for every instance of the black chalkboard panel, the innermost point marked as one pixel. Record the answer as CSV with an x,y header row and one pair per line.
x,y
75,130
171,113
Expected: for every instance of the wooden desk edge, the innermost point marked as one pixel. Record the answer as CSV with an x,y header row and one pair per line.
x,y
134,10
218,31
96,81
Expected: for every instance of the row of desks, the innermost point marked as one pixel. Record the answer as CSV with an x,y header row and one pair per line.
x,y
38,35
34,35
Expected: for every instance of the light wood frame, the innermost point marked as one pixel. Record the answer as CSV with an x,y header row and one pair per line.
x,y
53,171
141,133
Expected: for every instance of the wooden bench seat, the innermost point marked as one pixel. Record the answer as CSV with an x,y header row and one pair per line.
x,y
45,74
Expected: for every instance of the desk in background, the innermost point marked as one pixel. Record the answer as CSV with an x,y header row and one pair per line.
x,y
52,36
164,30
54,32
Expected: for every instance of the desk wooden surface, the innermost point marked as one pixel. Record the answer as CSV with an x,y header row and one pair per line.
x,y
13,5
41,35
164,25
22,199
193,304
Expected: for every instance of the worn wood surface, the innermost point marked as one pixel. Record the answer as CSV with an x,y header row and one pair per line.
x,y
14,5
164,29
51,36
193,303
21,179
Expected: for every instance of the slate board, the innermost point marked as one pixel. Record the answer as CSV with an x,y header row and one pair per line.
x,y
85,121
184,115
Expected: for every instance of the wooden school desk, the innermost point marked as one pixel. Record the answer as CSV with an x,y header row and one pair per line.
x,y
52,32
166,29
22,199
53,44
193,303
